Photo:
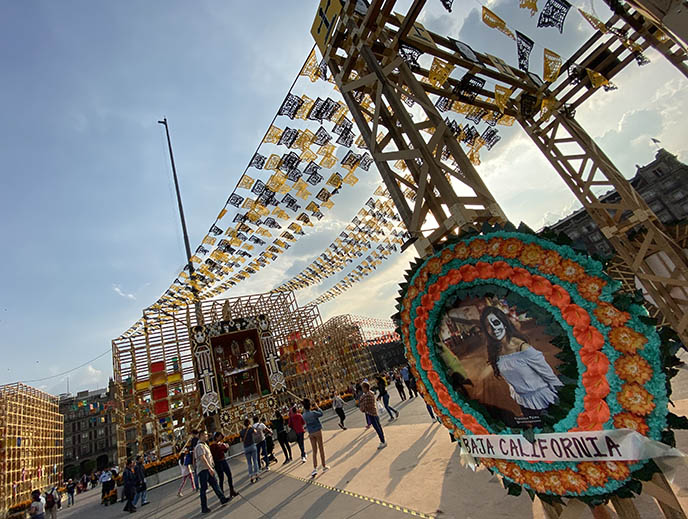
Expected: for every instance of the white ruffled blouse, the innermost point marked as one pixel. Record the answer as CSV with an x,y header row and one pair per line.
x,y
531,380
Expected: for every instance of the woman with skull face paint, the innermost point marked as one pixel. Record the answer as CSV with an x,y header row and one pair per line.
x,y
532,383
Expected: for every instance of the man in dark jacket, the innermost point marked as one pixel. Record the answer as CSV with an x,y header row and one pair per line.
x,y
141,488
129,479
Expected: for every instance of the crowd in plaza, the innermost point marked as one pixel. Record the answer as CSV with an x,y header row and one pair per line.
x,y
203,459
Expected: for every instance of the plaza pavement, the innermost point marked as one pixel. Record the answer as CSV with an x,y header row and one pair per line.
x,y
419,474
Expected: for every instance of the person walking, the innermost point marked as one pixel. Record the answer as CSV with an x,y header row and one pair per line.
x,y
384,395
278,427
193,443
314,428
206,473
406,377
105,479
219,450
260,430
250,450
338,404
71,489
186,467
37,507
51,500
399,383
141,486
296,422
129,478
367,406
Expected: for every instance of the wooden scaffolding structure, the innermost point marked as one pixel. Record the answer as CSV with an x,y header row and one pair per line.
x,y
31,443
361,46
372,53
159,393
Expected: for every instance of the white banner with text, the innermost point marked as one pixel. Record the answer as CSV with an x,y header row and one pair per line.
x,y
617,445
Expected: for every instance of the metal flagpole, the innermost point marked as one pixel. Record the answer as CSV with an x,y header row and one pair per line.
x,y
181,216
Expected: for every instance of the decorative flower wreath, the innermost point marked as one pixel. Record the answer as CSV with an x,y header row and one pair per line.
x,y
610,349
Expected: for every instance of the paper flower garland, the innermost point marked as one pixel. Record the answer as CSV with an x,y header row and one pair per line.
x,y
614,354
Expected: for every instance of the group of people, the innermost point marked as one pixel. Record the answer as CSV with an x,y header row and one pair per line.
x,y
45,505
135,487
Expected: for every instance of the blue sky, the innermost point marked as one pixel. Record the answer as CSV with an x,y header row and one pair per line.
x,y
89,222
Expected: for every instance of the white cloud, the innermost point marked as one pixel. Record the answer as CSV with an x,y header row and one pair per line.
x,y
118,290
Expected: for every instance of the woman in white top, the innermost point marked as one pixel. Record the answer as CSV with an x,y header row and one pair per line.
x,y
532,383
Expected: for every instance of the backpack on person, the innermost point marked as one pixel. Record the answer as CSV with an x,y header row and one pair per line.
x,y
49,500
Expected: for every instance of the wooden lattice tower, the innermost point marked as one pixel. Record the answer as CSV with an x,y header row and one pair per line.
x,y
164,341
31,443
361,49
344,338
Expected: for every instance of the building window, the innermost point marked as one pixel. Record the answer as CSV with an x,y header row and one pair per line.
x,y
657,206
657,172
677,195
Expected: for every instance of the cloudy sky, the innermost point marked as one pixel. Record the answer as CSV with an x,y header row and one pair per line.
x,y
89,222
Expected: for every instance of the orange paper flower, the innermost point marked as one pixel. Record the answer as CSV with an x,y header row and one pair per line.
x,y
572,481
553,481
521,277
477,248
461,250
594,473
485,270
531,254
541,286
630,421
511,248
610,315
550,261
626,340
590,287
434,266
560,297
617,469
588,337
468,273
502,269
596,386
570,271
494,246
636,399
536,481
595,361
633,368
576,316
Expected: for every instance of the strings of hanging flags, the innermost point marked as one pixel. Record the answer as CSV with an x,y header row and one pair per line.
x,y
375,230
554,14
310,153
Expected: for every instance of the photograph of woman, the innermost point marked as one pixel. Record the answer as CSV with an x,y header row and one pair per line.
x,y
532,382
500,357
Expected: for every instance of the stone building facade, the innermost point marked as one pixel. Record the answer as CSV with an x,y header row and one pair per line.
x,y
663,184
90,434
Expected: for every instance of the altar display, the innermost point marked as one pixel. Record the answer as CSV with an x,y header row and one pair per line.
x,y
547,373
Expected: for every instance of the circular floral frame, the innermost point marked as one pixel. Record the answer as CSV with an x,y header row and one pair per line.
x,y
621,382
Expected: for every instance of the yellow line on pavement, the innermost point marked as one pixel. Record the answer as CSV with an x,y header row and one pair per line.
x,y
364,498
